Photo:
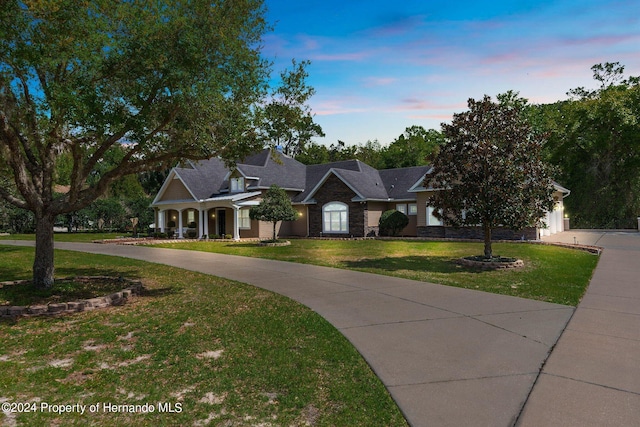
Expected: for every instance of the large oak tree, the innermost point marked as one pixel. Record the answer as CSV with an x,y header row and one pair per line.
x,y
164,80
490,171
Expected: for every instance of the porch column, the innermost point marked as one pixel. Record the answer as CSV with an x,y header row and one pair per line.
x,y
206,222
236,226
161,219
201,214
180,236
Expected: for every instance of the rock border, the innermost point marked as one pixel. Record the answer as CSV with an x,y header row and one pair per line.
x,y
492,265
52,309
274,244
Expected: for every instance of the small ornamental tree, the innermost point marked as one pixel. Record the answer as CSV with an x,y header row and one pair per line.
x,y
490,171
274,207
392,222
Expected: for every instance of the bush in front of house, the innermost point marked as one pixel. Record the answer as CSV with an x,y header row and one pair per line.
x,y
392,222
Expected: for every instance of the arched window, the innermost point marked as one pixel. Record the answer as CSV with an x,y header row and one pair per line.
x,y
335,218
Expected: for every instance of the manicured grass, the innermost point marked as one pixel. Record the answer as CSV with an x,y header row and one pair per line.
x,y
69,237
551,273
227,353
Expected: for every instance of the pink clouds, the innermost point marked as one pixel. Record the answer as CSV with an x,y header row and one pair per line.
x,y
382,64
337,106
379,81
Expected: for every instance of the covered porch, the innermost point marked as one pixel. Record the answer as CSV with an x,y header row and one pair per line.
x,y
202,219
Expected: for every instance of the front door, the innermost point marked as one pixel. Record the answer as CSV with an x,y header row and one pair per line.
x,y
222,223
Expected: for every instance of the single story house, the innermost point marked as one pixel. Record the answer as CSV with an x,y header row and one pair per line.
x,y
339,199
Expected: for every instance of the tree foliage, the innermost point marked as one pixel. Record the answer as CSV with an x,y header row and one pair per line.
x,y
490,171
415,147
274,207
287,121
594,139
79,80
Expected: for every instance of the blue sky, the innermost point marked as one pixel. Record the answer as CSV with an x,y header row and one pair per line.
x,y
381,66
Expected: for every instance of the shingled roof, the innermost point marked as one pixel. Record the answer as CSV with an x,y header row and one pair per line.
x,y
273,168
204,178
209,178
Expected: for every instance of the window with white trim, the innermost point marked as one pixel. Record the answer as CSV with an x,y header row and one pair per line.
x,y
401,207
413,209
432,220
244,221
335,218
237,184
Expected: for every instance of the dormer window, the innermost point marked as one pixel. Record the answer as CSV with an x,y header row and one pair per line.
x,y
237,184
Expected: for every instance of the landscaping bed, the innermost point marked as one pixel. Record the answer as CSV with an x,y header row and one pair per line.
x,y
19,298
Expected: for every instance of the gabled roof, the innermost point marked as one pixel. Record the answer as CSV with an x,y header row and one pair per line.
x,y
400,182
209,179
204,179
273,168
366,182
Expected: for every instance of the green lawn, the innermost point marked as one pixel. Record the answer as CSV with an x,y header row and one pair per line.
x,y
551,273
222,352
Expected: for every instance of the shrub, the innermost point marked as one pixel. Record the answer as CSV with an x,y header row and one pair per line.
x,y
392,222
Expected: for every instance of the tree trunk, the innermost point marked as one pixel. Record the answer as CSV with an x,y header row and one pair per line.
x,y
43,262
487,242
274,230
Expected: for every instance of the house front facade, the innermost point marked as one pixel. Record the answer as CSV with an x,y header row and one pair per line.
x,y
339,199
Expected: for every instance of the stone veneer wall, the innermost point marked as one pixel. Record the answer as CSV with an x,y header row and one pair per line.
x,y
477,233
334,190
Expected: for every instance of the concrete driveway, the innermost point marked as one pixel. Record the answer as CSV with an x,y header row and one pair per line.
x,y
456,357
593,375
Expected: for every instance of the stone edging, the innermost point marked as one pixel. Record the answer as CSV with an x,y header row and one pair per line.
x,y
490,265
274,244
117,298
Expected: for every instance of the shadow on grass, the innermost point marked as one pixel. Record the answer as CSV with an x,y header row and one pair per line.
x,y
242,245
411,263
97,271
9,270
159,292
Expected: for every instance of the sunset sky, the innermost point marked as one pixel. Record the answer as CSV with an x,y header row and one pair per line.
x,y
381,66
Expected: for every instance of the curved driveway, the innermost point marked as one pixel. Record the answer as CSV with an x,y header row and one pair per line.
x,y
448,356
593,375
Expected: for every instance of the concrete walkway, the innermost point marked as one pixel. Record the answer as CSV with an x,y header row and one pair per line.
x,y
456,357
593,375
